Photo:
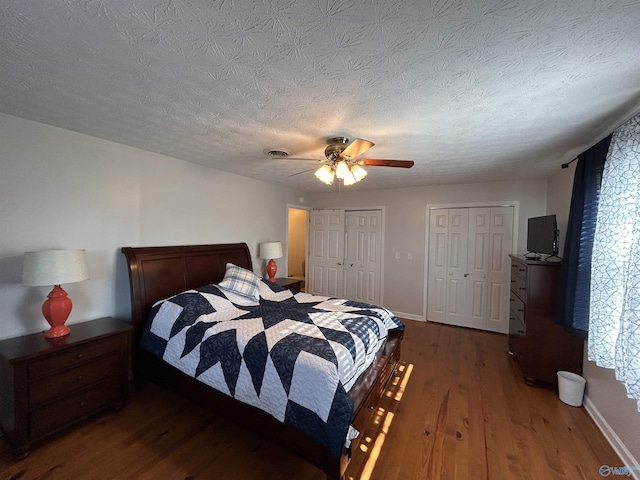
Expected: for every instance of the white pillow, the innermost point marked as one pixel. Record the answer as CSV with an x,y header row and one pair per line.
x,y
241,281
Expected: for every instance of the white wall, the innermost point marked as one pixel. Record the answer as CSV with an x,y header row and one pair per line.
x,y
405,223
605,397
60,189
559,191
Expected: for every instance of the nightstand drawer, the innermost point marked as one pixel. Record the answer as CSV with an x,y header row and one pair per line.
x,y
293,284
73,356
75,407
61,384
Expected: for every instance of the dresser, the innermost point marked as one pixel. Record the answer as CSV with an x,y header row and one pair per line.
x,y
540,345
47,385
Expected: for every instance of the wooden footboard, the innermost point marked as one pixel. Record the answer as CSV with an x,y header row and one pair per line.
x,y
365,402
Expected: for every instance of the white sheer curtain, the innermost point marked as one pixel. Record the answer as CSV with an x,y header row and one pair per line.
x,y
614,316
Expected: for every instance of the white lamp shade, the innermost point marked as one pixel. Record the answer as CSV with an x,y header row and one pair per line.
x,y
270,250
342,169
358,172
349,180
325,174
54,267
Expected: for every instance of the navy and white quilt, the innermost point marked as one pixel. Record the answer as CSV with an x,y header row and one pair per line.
x,y
294,356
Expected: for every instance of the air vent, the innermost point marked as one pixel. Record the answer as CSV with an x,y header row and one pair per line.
x,y
277,153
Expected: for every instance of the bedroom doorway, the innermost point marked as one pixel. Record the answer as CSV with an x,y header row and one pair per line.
x,y
297,222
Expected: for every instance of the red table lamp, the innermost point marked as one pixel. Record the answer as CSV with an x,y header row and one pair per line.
x,y
271,250
54,267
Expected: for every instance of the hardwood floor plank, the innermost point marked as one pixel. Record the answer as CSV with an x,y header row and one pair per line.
x,y
458,409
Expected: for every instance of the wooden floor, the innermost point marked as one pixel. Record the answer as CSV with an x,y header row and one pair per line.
x,y
458,410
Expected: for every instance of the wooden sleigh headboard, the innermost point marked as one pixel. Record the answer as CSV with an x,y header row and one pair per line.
x,y
156,273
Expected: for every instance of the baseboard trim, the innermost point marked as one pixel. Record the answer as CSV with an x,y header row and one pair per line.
x,y
612,437
409,316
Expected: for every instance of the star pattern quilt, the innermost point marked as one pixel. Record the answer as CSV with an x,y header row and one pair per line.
x,y
293,355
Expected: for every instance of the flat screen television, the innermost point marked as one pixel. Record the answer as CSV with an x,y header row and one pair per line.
x,y
542,236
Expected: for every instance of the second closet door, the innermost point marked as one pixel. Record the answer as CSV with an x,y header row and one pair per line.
x,y
468,275
362,255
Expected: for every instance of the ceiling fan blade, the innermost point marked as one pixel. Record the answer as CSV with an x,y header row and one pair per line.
x,y
357,147
304,171
320,160
375,162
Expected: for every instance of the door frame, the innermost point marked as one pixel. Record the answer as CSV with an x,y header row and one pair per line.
x,y
306,240
382,239
441,206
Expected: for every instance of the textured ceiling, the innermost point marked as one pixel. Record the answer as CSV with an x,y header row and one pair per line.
x,y
471,91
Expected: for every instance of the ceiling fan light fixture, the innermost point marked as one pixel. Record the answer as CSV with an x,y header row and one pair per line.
x,y
325,174
358,172
342,170
341,160
349,180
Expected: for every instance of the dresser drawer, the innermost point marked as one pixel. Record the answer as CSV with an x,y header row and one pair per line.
x,y
518,286
518,269
516,325
75,407
63,383
517,307
73,357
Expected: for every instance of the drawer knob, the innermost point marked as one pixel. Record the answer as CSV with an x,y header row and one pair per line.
x,y
81,404
79,379
371,407
79,355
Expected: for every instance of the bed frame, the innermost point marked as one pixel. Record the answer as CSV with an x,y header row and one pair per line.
x,y
156,273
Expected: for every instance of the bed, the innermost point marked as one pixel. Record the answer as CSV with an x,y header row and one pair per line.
x,y
160,273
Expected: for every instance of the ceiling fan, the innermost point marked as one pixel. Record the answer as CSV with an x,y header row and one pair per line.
x,y
341,161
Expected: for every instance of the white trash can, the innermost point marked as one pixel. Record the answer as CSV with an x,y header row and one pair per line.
x,y
571,388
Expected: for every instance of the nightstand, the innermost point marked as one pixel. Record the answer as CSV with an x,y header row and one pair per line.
x,y
294,284
47,385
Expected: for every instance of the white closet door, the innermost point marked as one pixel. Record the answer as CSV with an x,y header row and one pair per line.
x,y
458,239
326,253
468,278
499,273
362,257
437,281
448,237
477,267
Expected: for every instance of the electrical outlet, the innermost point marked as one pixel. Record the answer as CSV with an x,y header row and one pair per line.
x,y
397,255
410,256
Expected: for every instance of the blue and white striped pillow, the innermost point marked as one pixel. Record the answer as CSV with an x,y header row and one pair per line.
x,y
241,281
